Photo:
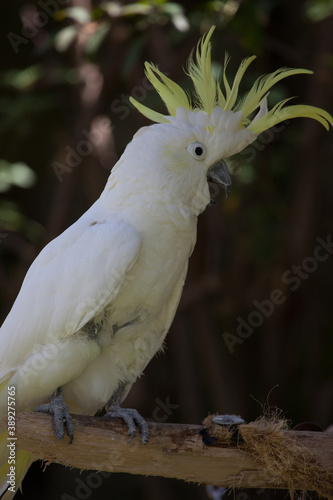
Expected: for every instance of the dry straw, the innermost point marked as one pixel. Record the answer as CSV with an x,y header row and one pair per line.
x,y
267,440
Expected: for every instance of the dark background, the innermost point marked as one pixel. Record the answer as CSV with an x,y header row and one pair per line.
x,y
66,72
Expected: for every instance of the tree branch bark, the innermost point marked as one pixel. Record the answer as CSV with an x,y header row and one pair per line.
x,y
174,450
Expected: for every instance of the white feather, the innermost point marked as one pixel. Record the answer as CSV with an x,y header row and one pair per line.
x,y
70,282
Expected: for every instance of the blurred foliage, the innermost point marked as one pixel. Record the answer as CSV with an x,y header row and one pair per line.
x,y
317,10
15,174
69,65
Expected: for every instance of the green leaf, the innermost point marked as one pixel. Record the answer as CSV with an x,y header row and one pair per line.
x,y
178,18
65,37
317,10
15,174
21,79
78,14
137,8
115,9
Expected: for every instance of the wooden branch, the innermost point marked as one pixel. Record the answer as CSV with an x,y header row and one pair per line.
x,y
174,450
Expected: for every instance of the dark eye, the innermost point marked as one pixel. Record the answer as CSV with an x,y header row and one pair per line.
x,y
197,150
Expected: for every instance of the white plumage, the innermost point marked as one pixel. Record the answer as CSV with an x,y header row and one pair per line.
x,y
124,261
98,301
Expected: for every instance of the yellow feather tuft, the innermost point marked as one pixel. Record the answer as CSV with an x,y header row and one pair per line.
x,y
225,79
220,97
208,94
261,87
201,75
152,115
233,93
279,114
171,93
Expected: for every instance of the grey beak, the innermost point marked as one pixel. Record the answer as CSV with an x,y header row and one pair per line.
x,y
219,174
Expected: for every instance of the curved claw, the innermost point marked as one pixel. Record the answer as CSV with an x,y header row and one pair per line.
x,y
61,416
131,417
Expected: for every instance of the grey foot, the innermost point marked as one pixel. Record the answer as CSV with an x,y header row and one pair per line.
x,y
58,408
131,417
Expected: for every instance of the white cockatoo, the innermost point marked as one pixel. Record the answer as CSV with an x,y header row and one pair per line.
x,y
98,301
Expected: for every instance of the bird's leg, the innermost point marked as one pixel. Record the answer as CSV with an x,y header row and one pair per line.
x,y
58,408
129,415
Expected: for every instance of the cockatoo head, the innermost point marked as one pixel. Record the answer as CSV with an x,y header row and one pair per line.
x,y
200,131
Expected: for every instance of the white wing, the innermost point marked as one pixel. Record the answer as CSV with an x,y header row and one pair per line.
x,y
71,281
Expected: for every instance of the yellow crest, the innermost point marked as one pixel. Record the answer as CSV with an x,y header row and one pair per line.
x,y
209,94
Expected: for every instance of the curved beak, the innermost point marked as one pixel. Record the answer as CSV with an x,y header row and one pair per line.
x,y
219,174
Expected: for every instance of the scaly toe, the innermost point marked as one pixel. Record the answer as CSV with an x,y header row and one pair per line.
x,y
131,417
61,416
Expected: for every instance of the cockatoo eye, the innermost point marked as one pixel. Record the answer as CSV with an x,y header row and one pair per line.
x,y
197,150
